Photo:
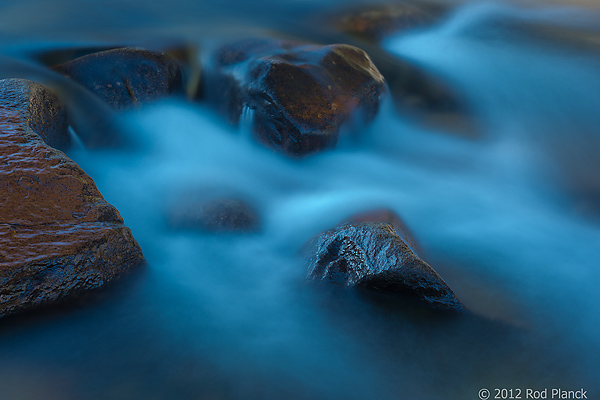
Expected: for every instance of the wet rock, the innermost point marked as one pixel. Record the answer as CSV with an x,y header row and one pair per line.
x,y
126,77
373,256
58,236
42,111
389,217
301,94
420,95
220,214
375,22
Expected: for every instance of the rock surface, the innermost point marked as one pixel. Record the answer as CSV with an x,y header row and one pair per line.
x,y
218,215
215,214
301,94
389,217
373,256
58,236
41,111
375,22
126,77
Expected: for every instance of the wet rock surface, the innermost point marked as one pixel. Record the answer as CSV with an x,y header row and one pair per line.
x,y
301,94
58,236
390,217
41,111
372,255
126,77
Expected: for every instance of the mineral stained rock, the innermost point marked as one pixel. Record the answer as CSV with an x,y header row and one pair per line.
x,y
58,236
374,23
301,94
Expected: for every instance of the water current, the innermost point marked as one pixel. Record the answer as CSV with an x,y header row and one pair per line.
x,y
509,219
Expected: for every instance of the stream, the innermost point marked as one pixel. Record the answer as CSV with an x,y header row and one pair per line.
x,y
510,220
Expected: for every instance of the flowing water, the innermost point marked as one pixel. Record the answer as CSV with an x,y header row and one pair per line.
x,y
510,221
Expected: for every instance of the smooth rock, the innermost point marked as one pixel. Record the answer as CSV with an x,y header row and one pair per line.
x,y
214,214
301,94
373,23
373,256
58,236
126,77
42,111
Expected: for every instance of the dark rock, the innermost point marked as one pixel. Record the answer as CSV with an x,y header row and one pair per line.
x,y
126,77
301,94
58,236
374,23
42,110
215,214
373,256
389,217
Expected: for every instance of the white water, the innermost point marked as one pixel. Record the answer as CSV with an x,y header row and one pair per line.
x,y
226,316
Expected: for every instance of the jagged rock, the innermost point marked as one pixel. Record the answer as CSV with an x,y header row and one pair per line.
x,y
389,217
372,255
58,236
126,77
301,94
214,214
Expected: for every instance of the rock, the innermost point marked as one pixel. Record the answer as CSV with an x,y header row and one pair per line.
x,y
126,77
389,217
215,214
375,22
301,94
58,236
373,256
42,110
421,95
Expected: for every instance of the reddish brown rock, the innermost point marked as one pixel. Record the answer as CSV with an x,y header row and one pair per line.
x,y
126,77
42,110
58,236
373,23
301,94
373,256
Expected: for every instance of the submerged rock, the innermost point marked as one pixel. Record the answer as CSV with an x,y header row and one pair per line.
x,y
58,236
373,256
301,94
215,214
375,22
126,77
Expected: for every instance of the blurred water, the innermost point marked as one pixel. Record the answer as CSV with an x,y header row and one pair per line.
x,y
230,317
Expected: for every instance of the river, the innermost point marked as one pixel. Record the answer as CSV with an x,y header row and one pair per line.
x,y
510,219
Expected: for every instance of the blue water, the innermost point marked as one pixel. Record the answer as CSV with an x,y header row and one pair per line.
x,y
503,219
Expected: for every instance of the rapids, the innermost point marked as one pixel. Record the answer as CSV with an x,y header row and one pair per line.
x,y
506,219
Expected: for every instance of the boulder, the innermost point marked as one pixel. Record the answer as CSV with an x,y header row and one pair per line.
x,y
371,255
126,77
301,94
58,236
